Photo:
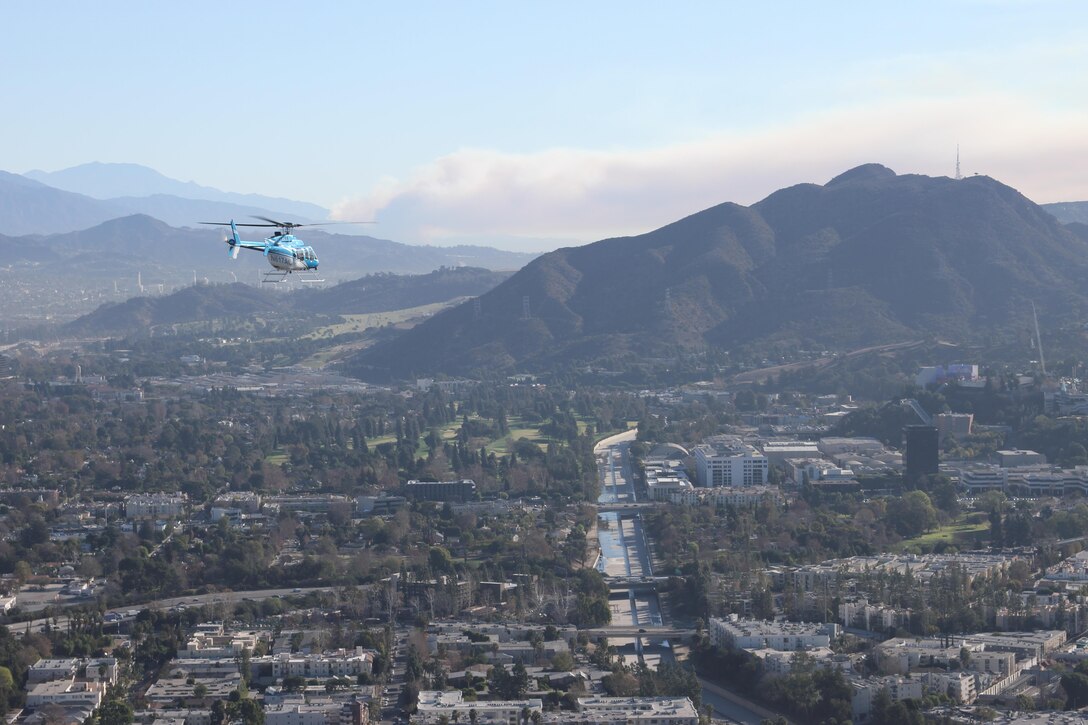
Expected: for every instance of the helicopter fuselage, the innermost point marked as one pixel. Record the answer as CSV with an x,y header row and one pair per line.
x,y
283,250
289,254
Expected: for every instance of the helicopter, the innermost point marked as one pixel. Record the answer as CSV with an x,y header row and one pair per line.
x,y
283,250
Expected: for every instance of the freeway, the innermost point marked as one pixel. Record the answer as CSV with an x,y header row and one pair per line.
x,y
195,600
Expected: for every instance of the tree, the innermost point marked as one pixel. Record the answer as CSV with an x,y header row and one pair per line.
x,y
562,662
440,561
7,686
912,514
1075,685
509,685
115,712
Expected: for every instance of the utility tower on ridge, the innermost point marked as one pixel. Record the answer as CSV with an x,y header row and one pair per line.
x,y
958,174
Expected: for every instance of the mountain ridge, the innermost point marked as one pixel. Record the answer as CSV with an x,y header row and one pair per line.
x,y
108,181
869,257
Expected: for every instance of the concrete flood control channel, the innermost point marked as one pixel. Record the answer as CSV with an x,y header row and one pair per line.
x,y
625,553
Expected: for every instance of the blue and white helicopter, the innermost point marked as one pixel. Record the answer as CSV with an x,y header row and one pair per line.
x,y
283,250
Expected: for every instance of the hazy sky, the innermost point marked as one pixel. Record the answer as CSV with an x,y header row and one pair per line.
x,y
531,125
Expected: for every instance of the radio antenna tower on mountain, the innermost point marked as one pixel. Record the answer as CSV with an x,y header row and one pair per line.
x,y
959,176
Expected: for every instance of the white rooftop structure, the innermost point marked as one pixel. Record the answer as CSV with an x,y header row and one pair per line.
x,y
432,705
654,710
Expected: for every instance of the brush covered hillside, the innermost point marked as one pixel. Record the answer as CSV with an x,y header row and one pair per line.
x,y
870,257
203,303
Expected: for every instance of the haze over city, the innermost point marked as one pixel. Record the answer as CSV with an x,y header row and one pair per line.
x,y
531,127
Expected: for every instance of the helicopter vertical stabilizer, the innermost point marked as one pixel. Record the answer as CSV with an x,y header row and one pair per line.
x,y
234,241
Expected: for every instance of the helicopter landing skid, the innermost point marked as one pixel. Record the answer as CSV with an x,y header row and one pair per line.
x,y
274,277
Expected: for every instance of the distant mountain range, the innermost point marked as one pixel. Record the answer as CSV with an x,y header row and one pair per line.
x,y
30,207
121,248
126,185
1068,212
870,257
373,293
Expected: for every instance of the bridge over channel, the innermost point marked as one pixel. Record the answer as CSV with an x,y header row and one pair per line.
x,y
647,632
621,508
635,583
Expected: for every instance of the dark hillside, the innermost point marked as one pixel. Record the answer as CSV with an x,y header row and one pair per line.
x,y
201,303
870,257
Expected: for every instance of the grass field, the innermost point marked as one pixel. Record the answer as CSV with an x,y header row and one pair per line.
x,y
360,323
518,429
276,458
961,532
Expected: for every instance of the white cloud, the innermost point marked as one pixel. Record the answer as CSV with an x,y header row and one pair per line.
x,y
486,196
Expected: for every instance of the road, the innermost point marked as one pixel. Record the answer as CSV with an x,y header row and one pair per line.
x,y
196,600
733,707
762,374
394,684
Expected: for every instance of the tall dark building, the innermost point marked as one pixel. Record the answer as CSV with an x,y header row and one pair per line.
x,y
920,455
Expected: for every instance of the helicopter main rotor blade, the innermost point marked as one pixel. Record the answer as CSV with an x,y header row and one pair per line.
x,y
296,225
285,225
329,224
227,224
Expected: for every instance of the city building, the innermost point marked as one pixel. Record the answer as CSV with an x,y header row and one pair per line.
x,y
155,505
835,446
935,375
864,692
666,479
47,670
728,461
752,634
434,706
462,490
328,664
978,478
959,686
920,455
381,505
818,471
648,710
65,692
953,425
778,452
1015,457
860,614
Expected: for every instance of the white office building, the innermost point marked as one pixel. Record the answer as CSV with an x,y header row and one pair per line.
x,y
728,461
